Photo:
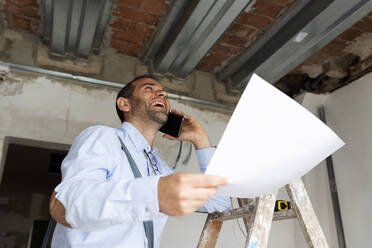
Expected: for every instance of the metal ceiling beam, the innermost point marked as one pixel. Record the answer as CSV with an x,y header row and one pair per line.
x,y
293,40
75,27
207,22
332,22
295,18
165,29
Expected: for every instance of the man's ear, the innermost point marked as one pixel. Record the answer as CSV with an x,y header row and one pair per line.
x,y
123,104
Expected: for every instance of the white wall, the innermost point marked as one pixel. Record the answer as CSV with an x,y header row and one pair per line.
x,y
349,114
55,110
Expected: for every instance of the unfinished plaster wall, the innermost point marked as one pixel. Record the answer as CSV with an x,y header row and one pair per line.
x,y
33,106
349,114
316,182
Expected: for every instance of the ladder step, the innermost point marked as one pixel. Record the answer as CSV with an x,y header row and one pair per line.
x,y
247,211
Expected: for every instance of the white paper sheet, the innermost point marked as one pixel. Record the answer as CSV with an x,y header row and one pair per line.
x,y
269,141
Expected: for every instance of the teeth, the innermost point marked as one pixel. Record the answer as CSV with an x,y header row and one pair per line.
x,y
158,103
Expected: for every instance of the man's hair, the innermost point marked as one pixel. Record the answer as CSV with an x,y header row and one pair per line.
x,y
127,92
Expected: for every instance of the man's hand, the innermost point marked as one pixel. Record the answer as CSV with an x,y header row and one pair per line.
x,y
182,193
192,131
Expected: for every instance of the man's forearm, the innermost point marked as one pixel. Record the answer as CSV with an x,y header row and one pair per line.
x,y
202,142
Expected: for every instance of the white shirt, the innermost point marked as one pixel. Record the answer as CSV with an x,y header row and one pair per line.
x,y
105,204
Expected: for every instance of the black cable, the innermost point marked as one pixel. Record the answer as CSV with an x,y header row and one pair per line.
x,y
178,156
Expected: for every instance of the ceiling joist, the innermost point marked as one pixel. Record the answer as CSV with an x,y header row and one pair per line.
x,y
205,25
303,30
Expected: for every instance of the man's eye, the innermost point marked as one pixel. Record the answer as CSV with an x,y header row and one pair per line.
x,y
148,88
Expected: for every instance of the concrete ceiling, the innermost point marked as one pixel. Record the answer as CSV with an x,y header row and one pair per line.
x,y
150,29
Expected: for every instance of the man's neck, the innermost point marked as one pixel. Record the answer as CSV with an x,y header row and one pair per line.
x,y
147,128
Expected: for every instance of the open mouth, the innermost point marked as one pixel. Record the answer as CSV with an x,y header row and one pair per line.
x,y
158,104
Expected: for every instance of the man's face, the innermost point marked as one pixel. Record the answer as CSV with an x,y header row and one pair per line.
x,y
149,101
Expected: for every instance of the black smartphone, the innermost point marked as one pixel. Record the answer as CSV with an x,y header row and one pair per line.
x,y
173,125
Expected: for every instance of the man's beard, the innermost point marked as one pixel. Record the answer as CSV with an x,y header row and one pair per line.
x,y
140,109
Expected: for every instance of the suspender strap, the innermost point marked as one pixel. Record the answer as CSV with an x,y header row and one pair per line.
x,y
148,225
132,164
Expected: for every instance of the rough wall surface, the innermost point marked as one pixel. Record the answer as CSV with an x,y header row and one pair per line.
x,y
348,113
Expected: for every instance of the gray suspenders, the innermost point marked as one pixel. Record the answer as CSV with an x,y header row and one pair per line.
x,y
148,225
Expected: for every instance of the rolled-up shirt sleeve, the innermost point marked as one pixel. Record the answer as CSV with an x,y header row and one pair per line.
x,y
204,157
92,199
217,202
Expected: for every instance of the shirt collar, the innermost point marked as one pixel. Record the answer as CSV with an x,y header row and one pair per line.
x,y
137,139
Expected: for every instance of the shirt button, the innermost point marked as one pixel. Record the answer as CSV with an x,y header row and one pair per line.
x,y
148,149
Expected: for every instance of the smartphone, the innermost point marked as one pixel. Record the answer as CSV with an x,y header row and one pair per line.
x,y
173,125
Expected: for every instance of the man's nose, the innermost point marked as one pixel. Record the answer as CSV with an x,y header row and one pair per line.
x,y
162,94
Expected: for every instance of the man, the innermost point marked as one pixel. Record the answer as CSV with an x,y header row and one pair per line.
x,y
102,203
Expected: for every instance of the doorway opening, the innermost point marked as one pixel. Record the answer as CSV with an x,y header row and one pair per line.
x,y
29,171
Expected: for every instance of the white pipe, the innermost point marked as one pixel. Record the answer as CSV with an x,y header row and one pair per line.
x,y
109,83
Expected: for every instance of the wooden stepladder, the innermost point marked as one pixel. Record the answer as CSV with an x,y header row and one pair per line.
x,y
258,215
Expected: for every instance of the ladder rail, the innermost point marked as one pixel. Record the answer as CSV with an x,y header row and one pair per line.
x,y
211,229
259,230
306,216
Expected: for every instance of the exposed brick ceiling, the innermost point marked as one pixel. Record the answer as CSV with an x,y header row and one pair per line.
x,y
343,60
246,28
22,14
134,23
